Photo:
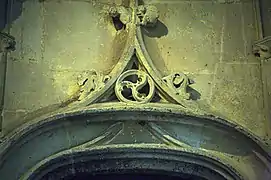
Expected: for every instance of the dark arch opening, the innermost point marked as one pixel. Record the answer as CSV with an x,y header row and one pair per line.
x,y
131,176
130,163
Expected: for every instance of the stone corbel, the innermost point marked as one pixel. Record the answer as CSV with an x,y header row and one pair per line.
x,y
7,42
262,49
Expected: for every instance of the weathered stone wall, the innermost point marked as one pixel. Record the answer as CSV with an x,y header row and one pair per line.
x,y
3,18
210,41
56,41
266,16
266,65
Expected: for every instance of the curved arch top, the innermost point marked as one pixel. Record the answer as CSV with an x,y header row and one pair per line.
x,y
199,40
130,157
126,104
196,133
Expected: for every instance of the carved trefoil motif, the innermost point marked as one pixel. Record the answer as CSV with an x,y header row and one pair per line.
x,y
107,105
133,85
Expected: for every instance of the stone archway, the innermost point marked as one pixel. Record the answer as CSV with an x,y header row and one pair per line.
x,y
135,134
137,91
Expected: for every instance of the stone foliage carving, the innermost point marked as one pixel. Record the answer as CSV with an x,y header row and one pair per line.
x,y
90,81
120,12
120,15
134,86
179,83
262,51
7,42
148,15
262,48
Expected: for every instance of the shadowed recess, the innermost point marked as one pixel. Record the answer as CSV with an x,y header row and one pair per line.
x,y
131,176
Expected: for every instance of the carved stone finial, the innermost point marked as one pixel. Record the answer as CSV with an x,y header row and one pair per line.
x,y
134,86
262,49
179,83
148,15
120,14
7,42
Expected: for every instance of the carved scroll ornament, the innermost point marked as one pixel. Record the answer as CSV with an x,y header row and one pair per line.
x,y
7,42
179,83
90,81
262,48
